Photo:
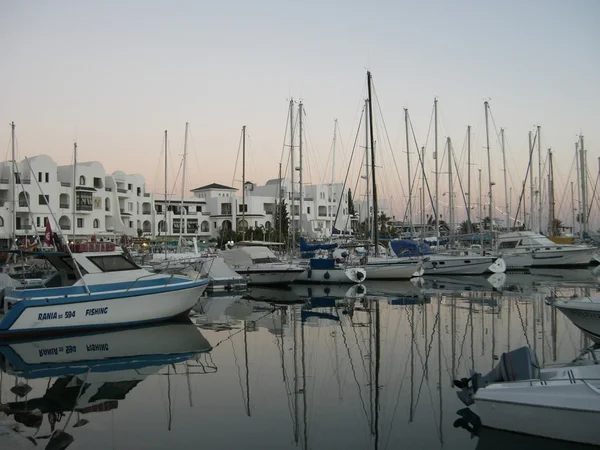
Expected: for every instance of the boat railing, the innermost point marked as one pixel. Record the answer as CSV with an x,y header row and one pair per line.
x,y
168,280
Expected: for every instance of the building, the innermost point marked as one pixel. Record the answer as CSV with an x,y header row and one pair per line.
x,y
81,204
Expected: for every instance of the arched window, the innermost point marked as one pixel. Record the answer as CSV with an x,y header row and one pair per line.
x,y
226,225
82,180
1,222
267,225
96,223
107,204
243,225
204,227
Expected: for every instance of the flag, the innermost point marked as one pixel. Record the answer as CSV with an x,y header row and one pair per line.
x,y
48,234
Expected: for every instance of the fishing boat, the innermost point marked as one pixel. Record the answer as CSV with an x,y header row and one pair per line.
x,y
94,289
584,312
542,251
556,402
259,265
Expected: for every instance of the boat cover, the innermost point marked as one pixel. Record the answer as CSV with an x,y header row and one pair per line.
x,y
306,247
409,248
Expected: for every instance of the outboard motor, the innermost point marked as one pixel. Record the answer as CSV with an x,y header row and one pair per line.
x,y
517,365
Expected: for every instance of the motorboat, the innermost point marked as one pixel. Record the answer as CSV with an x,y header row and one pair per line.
x,y
584,312
515,246
259,265
93,290
461,263
558,402
221,276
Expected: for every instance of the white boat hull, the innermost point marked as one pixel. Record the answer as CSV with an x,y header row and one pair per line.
x,y
266,276
467,265
563,257
517,261
334,276
587,319
76,313
393,270
556,423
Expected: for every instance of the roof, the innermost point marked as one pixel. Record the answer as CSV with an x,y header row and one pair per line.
x,y
214,186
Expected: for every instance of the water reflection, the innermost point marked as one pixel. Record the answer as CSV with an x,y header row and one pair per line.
x,y
367,366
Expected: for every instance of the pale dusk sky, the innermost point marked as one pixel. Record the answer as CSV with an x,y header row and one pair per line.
x,y
114,75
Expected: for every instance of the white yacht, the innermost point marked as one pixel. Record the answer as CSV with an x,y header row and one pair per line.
x,y
260,265
584,312
520,248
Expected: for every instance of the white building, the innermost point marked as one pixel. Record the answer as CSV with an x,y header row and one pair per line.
x,y
98,204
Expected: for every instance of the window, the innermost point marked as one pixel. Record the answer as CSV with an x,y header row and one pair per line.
x,y
43,199
97,182
96,223
199,208
82,180
80,222
130,224
130,187
40,177
158,208
47,177
37,221
45,221
112,263
215,224
308,210
226,209
130,206
243,208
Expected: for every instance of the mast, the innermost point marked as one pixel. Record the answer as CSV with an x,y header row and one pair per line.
x,y
572,210
368,216
181,210
578,191
583,173
74,189
375,212
244,182
437,193
480,212
550,193
410,215
293,169
300,166
469,225
13,209
450,187
490,182
539,145
506,197
279,210
165,228
531,193
333,152
423,193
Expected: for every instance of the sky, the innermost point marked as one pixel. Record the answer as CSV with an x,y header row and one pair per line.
x,y
114,75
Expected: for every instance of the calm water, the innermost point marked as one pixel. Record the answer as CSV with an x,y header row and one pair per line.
x,y
320,368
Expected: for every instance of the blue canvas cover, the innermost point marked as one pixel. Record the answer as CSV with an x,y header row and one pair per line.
x,y
409,248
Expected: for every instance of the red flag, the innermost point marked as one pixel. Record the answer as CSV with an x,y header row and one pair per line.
x,y
48,234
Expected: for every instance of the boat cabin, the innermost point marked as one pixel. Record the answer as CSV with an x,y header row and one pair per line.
x,y
525,240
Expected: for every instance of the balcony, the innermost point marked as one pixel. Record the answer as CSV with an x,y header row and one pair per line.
x,y
146,194
65,227
65,184
65,205
146,213
107,189
22,204
4,180
24,227
122,191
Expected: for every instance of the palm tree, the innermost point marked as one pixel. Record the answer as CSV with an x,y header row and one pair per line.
x,y
557,226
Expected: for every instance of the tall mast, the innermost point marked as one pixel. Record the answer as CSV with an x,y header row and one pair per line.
x,y
300,166
469,225
506,197
539,146
375,212
423,193
437,193
490,182
550,194
531,193
165,228
367,193
583,173
293,169
74,189
13,209
244,182
578,190
480,211
279,210
572,210
450,187
410,214
333,152
181,210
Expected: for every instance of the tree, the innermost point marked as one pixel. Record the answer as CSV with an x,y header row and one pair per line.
x,y
350,203
557,226
281,216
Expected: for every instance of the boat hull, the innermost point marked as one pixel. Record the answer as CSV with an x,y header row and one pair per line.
x,y
574,257
80,312
540,421
393,270
587,320
334,276
269,276
475,265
